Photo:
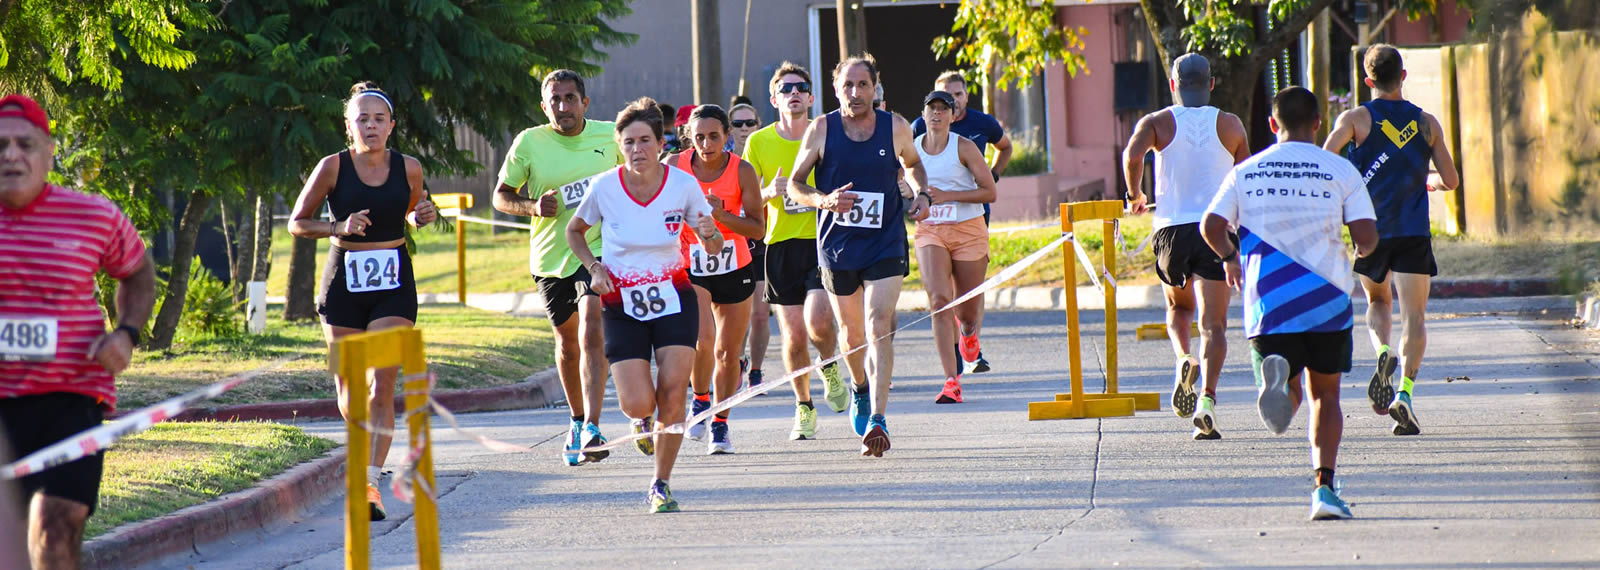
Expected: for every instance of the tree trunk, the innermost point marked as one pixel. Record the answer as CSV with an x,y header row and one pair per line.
x,y
301,301
852,28
166,324
245,240
706,32
261,262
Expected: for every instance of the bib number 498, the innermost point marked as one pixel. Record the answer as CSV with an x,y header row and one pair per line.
x,y
377,270
651,301
28,339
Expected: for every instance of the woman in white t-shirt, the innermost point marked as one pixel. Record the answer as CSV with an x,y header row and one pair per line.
x,y
953,242
648,307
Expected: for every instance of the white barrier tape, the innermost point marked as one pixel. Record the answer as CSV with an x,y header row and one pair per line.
x,y
94,440
501,223
1083,257
409,473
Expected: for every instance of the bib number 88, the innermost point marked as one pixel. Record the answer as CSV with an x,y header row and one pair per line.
x,y
647,302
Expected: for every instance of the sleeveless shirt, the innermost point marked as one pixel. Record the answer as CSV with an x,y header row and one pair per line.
x,y
946,172
726,187
874,230
1393,162
387,203
1190,169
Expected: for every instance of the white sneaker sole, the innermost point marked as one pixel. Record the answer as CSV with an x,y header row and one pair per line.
x,y
1273,401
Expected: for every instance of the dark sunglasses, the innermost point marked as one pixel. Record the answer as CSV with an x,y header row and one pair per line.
x,y
800,86
746,123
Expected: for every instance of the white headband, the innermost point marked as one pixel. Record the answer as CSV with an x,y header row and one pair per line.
x,y
377,94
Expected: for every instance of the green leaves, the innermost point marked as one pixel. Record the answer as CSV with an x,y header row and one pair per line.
x,y
69,40
1000,42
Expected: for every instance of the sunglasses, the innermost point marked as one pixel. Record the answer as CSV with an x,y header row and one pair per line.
x,y
800,86
746,123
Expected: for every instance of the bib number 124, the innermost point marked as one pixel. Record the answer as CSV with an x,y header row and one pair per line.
x,y
377,270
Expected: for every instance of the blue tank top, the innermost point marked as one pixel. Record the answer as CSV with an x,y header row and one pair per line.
x,y
1393,161
875,229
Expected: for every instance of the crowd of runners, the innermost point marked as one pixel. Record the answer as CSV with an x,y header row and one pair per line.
x,y
667,237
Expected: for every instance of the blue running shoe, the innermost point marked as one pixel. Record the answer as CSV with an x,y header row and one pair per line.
x,y
1326,505
860,408
1405,419
574,443
876,441
697,431
592,438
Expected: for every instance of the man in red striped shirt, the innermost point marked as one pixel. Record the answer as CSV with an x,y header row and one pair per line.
x,y
56,358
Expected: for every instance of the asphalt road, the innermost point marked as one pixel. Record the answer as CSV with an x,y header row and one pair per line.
x,y
1506,473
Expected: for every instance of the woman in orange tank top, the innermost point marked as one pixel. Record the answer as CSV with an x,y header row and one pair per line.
x,y
724,280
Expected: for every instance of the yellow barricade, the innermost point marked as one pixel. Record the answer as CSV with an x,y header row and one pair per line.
x,y
353,356
455,205
1076,404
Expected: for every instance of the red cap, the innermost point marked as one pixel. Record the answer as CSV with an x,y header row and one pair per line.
x,y
683,115
30,111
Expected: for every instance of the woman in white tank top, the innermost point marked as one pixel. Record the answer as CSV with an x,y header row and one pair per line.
x,y
953,243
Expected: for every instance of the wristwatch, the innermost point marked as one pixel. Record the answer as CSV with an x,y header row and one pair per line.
x,y
1231,256
133,332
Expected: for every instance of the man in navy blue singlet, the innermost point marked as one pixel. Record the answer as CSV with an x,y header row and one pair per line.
x,y
1394,142
857,152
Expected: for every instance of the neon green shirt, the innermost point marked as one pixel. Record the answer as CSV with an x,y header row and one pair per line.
x,y
767,151
546,160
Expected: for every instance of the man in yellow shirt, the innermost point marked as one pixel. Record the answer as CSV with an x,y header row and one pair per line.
x,y
794,285
556,161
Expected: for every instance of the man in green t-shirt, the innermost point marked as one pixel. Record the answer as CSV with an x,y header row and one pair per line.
x,y
557,161
793,283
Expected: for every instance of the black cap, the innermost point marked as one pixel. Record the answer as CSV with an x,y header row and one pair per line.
x,y
942,97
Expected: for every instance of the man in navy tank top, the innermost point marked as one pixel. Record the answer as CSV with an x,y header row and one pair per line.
x,y
857,152
1393,143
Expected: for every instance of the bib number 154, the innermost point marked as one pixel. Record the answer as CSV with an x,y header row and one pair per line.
x,y
866,213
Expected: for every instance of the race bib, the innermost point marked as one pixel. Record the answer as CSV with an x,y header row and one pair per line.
x,y
705,264
376,270
651,300
28,338
793,207
941,214
866,213
573,193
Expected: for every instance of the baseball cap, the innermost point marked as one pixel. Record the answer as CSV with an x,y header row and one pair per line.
x,y
30,111
940,96
683,115
1193,74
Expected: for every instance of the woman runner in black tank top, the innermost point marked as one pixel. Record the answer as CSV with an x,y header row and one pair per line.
x,y
367,283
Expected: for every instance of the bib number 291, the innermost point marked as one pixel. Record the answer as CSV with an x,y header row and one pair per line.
x,y
867,212
377,270
651,300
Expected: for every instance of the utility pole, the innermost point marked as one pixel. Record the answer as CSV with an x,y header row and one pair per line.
x,y
852,28
1317,48
707,35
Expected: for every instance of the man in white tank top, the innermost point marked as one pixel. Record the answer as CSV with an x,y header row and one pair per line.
x,y
1196,145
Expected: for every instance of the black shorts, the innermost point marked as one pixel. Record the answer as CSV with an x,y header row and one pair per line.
x,y
1324,353
32,423
845,281
561,294
792,271
341,308
628,338
1181,251
729,288
1412,254
758,248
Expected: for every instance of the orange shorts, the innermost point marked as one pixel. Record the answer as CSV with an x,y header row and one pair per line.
x,y
966,241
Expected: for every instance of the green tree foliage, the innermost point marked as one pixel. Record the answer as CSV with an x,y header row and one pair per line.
x,y
1004,41
44,39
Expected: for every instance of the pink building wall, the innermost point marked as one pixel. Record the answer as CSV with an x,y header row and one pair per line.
x,y
1451,18
1085,134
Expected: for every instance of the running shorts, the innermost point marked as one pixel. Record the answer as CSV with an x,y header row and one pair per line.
x,y
561,294
1324,352
1181,251
846,281
966,240
1411,254
628,338
32,423
729,288
393,294
792,271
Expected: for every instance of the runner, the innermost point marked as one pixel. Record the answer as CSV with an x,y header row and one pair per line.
x,y
953,243
861,240
1397,174
650,310
792,279
555,161
983,130
367,284
1287,205
57,362
723,277
745,122
1189,168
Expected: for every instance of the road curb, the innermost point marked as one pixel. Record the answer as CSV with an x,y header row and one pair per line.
x,y
539,390
269,503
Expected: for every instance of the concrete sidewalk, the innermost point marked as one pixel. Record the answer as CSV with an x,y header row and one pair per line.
x,y
1506,473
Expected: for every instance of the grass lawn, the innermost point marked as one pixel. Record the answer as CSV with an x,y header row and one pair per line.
x,y
175,465
466,347
1008,248
495,263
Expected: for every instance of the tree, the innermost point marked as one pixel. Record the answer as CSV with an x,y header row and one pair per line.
x,y
1006,41
41,39
264,100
